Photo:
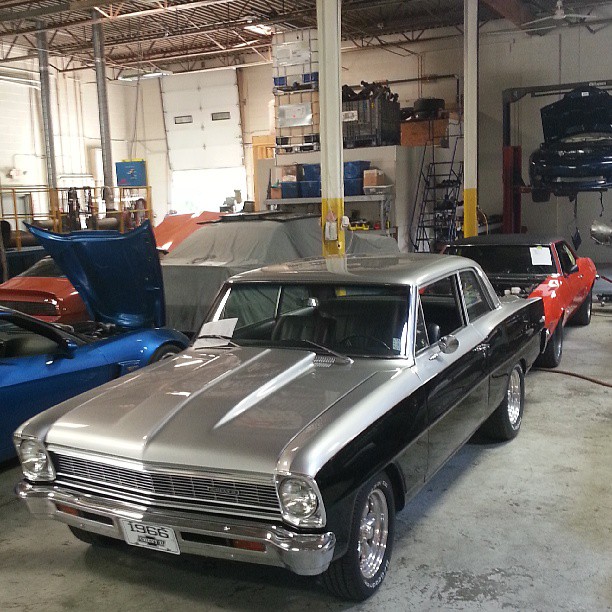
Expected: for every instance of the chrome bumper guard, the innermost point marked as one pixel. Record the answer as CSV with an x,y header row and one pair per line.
x,y
305,554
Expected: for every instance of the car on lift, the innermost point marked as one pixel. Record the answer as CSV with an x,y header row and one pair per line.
x,y
537,266
576,154
317,399
42,364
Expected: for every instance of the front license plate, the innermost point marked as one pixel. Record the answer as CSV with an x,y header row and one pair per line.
x,y
147,535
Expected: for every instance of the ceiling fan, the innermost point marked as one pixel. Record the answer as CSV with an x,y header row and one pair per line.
x,y
560,15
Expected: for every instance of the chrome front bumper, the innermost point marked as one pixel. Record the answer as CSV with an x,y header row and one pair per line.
x,y
305,554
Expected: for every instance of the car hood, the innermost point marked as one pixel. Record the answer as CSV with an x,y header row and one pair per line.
x,y
581,111
117,275
218,409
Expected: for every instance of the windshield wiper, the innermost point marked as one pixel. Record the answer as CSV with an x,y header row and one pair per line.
x,y
218,337
325,349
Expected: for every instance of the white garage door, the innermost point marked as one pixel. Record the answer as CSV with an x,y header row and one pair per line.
x,y
203,120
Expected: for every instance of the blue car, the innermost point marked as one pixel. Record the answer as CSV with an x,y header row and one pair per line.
x,y
119,279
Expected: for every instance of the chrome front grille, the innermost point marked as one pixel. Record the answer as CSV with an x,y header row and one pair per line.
x,y
214,492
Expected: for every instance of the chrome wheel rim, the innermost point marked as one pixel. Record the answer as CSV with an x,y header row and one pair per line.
x,y
514,398
373,533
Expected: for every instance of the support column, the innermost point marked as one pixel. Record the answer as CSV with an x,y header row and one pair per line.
x,y
105,138
45,102
332,185
470,107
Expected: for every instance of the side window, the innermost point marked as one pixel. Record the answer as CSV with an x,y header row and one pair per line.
x,y
442,308
474,295
566,257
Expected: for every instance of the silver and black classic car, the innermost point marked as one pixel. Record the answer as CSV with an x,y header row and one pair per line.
x,y
316,400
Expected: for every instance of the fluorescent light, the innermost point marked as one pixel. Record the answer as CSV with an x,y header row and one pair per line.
x,y
259,29
134,76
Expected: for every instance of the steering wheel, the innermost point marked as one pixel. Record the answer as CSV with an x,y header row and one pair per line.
x,y
362,341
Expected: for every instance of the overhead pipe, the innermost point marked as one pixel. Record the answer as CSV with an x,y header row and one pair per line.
x,y
45,102
105,137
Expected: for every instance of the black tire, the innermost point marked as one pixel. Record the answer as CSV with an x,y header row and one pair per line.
x,y
355,577
95,539
166,351
551,357
540,195
583,315
505,422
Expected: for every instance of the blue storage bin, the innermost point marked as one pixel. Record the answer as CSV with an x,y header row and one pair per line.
x,y
354,169
311,172
353,186
311,189
290,189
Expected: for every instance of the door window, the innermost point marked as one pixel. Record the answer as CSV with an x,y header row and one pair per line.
x,y
442,308
566,257
474,295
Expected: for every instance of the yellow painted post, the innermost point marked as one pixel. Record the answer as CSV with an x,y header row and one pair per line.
x,y
470,97
332,185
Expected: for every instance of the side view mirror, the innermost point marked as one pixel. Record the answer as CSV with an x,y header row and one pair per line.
x,y
67,347
448,344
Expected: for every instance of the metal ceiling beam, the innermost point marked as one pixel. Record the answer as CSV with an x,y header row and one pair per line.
x,y
63,7
515,11
60,7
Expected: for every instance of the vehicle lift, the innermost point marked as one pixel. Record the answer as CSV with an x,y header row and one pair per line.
x,y
513,184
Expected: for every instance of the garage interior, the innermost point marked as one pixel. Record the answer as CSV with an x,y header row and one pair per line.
x,y
113,112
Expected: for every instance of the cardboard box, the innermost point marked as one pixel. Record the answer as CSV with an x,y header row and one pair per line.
x,y
291,173
420,133
373,177
276,193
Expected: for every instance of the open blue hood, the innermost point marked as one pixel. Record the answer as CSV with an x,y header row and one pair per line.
x,y
117,275
582,110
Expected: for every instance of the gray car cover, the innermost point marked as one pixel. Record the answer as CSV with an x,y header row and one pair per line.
x,y
195,271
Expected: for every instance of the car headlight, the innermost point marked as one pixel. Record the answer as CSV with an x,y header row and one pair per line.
x,y
35,461
300,501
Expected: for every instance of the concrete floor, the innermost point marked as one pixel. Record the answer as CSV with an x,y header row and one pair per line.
x,y
520,526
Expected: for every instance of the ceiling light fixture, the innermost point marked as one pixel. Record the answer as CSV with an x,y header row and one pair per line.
x,y
259,28
135,76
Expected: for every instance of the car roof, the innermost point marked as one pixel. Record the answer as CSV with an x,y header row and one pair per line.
x,y
509,239
399,269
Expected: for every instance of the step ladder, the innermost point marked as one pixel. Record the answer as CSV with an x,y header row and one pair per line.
x,y
437,197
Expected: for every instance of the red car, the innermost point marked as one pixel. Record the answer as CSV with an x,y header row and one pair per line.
x,y
535,266
175,228
44,292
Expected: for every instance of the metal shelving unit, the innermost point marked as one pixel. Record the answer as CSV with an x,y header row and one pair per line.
x,y
383,200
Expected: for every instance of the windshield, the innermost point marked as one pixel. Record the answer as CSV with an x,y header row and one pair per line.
x,y
354,320
508,259
45,268
588,137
